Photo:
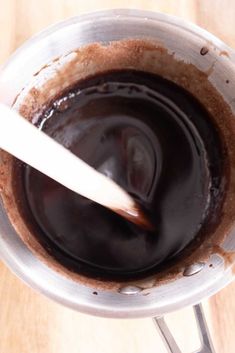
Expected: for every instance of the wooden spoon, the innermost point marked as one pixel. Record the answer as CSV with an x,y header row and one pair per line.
x,y
24,141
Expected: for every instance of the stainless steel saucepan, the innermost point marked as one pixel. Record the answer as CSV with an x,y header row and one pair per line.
x,y
199,280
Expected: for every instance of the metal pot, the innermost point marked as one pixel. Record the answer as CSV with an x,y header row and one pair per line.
x,y
179,36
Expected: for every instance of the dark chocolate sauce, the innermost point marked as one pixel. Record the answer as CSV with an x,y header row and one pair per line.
x,y
156,141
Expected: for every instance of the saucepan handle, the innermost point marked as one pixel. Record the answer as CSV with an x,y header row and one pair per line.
x,y
171,345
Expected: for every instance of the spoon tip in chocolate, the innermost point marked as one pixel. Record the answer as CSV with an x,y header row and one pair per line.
x,y
138,216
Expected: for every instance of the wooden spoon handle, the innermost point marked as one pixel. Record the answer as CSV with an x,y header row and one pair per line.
x,y
23,140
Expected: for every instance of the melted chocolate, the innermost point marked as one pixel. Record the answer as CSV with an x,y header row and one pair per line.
x,y
156,141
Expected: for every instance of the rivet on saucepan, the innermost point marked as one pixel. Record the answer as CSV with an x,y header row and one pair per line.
x,y
193,269
130,290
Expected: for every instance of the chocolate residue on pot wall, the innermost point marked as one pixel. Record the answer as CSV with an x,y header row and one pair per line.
x,y
128,54
204,51
224,53
227,256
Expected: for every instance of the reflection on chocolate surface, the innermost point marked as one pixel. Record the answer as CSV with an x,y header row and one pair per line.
x,y
152,138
